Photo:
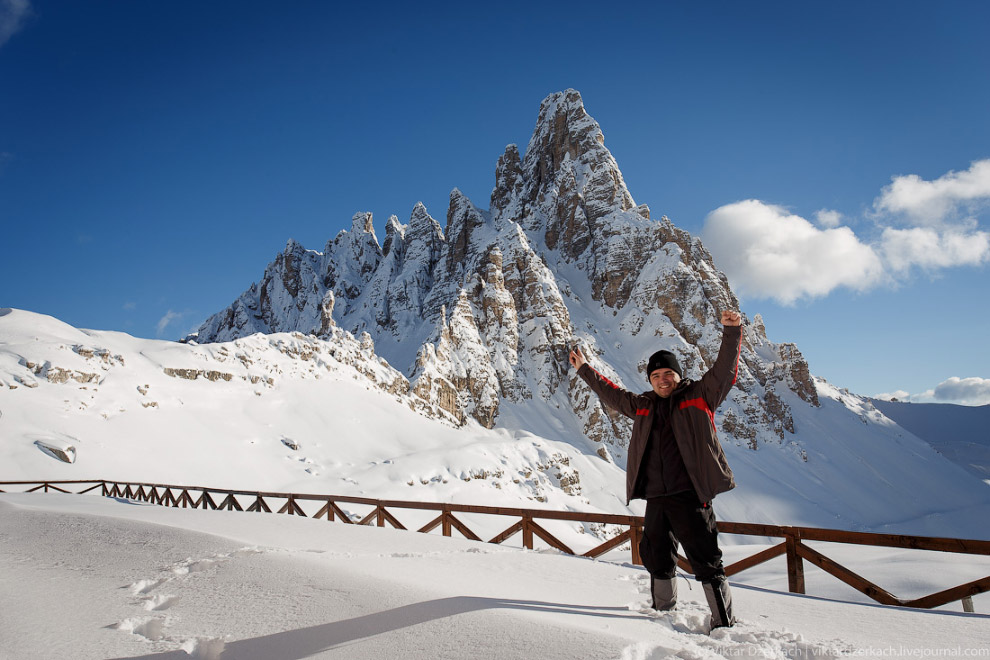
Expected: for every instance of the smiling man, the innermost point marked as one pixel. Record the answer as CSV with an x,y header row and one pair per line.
x,y
677,465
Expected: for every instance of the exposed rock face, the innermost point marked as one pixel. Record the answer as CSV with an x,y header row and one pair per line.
x,y
484,312
455,370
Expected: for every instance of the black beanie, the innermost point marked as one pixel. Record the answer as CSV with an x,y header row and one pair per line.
x,y
663,360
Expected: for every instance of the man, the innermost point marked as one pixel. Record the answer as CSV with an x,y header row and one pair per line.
x,y
677,465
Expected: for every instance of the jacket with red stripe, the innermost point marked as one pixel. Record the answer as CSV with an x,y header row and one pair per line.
x,y
692,408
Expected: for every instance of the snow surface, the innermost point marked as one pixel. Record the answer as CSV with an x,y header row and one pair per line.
x,y
957,432
91,577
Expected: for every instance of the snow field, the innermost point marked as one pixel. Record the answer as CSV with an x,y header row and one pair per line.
x,y
96,578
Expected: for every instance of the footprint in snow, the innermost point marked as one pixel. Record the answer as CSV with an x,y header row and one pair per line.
x,y
160,602
146,586
197,565
149,628
204,648
153,628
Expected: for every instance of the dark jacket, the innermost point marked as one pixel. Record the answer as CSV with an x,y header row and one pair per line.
x,y
692,411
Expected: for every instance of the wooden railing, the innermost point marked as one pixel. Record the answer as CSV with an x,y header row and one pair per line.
x,y
793,545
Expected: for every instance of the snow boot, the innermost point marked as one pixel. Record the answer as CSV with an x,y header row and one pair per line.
x,y
664,591
720,600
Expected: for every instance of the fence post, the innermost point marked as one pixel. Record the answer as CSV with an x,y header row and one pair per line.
x,y
527,531
967,604
446,520
795,565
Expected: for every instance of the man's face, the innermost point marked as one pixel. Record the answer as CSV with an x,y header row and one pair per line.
x,y
664,381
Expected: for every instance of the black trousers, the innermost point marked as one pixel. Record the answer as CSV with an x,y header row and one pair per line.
x,y
681,517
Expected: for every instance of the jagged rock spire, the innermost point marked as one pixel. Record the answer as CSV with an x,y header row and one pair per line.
x,y
567,182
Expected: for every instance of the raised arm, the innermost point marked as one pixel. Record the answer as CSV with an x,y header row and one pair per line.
x,y
610,394
718,380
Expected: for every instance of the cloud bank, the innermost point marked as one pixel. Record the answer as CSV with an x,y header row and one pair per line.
x,y
962,391
768,252
935,202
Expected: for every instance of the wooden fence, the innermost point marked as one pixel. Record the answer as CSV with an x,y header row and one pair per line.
x,y
525,523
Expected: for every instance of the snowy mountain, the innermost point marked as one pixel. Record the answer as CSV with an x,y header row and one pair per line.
x,y
957,432
432,366
481,315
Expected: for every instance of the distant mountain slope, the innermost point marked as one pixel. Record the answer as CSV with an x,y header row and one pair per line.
x,y
960,433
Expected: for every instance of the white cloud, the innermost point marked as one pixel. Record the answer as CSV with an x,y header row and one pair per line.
x,y
12,16
931,203
769,253
961,391
967,391
828,219
931,249
897,395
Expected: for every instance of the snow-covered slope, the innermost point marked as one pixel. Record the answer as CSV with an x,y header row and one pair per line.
x,y
297,413
960,433
208,585
276,411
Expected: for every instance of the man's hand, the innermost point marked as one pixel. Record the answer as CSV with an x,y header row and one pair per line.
x,y
577,358
731,317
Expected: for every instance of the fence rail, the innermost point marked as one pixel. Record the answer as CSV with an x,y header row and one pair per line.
x,y
793,546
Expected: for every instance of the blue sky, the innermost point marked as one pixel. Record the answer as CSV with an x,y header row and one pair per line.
x,y
154,157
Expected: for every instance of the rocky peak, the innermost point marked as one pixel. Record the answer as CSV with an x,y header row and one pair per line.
x,y
568,193
352,256
463,219
564,132
394,234
570,177
424,236
423,245
506,201
289,265
362,223
485,311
